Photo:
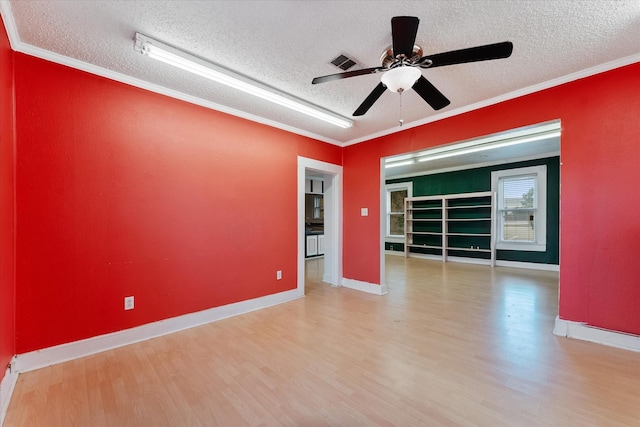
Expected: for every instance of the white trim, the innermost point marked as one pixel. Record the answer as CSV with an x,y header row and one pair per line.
x,y
582,331
540,173
19,46
425,256
390,239
132,81
528,265
397,253
481,261
62,353
370,288
388,188
587,72
10,26
7,385
332,175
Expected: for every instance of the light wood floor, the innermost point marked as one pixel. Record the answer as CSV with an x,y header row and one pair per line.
x,y
451,344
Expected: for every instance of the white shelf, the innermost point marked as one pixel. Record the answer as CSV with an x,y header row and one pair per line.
x,y
438,240
468,219
454,248
469,207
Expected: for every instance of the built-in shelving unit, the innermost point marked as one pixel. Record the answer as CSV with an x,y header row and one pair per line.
x,y
450,225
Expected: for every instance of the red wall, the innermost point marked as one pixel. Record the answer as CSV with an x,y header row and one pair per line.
x,y
7,204
600,154
121,191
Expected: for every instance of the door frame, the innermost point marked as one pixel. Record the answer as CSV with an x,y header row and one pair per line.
x,y
333,219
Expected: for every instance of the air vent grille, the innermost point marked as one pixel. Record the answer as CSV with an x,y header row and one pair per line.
x,y
343,62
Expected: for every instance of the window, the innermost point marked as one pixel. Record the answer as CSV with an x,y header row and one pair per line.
x,y
521,196
396,193
318,207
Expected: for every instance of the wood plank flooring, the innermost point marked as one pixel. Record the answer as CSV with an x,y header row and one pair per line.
x,y
450,345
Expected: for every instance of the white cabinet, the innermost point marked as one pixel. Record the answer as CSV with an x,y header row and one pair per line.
x,y
312,245
315,245
320,244
459,225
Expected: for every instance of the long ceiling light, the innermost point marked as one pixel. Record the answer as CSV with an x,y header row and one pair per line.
x,y
172,56
402,163
499,140
426,156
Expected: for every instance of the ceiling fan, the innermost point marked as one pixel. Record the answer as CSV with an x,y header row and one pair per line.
x,y
402,62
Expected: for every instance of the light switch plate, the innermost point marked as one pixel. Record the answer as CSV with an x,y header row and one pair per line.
x,y
364,211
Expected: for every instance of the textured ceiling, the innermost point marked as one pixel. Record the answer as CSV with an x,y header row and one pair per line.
x,y
285,44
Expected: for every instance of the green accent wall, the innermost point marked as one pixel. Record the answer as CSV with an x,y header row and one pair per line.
x,y
479,179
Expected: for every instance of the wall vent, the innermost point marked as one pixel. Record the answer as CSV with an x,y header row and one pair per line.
x,y
343,62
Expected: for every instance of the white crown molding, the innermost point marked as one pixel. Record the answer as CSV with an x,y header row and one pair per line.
x,y
587,72
122,78
9,25
62,353
18,46
584,332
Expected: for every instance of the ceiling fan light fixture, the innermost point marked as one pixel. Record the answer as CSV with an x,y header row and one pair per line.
x,y
400,79
193,64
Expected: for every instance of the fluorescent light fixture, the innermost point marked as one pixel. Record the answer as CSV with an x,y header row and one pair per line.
x,y
395,164
441,153
399,158
172,56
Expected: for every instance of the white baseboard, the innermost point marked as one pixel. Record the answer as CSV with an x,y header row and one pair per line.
x,y
425,256
465,260
529,265
397,253
371,288
6,390
582,331
61,353
482,261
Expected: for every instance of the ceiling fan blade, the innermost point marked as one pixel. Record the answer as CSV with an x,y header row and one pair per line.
x,y
403,34
472,54
347,74
430,93
370,100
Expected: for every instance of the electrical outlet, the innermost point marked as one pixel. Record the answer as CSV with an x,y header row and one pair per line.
x,y
128,303
279,275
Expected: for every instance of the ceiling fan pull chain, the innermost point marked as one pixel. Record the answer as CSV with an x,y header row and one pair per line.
x,y
401,121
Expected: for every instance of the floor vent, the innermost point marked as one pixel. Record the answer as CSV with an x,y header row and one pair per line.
x,y
343,62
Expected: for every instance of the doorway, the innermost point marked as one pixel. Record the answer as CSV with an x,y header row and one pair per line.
x,y
467,167
331,175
